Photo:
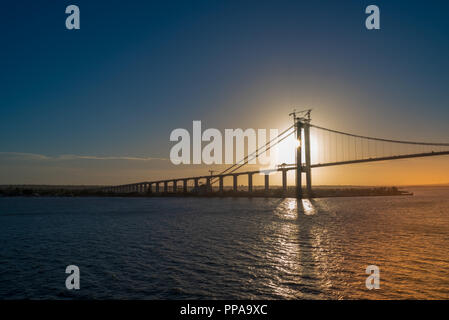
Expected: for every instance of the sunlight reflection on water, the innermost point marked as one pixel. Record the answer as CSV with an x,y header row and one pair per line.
x,y
308,207
287,209
228,248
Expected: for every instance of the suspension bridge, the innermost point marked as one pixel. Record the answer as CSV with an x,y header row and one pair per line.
x,y
328,148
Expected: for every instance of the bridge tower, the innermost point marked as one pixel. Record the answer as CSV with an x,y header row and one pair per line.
x,y
302,123
308,168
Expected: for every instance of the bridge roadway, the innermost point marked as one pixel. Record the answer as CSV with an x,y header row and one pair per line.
x,y
147,187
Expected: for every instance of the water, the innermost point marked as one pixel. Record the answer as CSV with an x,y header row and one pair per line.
x,y
198,248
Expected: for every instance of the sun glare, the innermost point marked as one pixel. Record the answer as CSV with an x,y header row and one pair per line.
x,y
287,149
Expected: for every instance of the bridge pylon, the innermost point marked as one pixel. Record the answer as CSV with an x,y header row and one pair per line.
x,y
307,153
302,123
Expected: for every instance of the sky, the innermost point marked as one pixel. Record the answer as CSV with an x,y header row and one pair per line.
x,y
97,105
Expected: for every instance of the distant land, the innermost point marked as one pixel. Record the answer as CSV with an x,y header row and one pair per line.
x,y
79,187
202,191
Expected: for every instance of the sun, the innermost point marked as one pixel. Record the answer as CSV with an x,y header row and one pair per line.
x,y
287,150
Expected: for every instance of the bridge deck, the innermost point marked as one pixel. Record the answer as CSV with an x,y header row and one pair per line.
x,y
291,167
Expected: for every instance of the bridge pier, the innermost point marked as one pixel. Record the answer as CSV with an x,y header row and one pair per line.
x,y
157,187
220,182
196,183
284,180
208,185
250,182
175,186
298,125
235,182
165,186
307,158
267,182
184,185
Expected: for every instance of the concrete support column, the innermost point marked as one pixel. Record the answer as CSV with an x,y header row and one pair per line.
x,y
220,183
165,186
235,182
175,185
208,184
150,185
196,183
157,187
284,180
267,182
184,186
308,157
250,182
298,170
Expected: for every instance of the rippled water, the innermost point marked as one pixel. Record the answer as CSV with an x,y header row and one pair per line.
x,y
178,248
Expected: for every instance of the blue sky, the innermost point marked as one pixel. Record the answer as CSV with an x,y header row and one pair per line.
x,y
136,70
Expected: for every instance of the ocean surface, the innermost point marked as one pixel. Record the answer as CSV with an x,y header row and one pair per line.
x,y
226,248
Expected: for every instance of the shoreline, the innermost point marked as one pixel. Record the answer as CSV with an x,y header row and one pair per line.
x,y
273,193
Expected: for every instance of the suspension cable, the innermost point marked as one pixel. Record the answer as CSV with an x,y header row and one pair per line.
x,y
257,152
380,139
268,146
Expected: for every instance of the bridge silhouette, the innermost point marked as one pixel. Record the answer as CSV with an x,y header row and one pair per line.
x,y
329,148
